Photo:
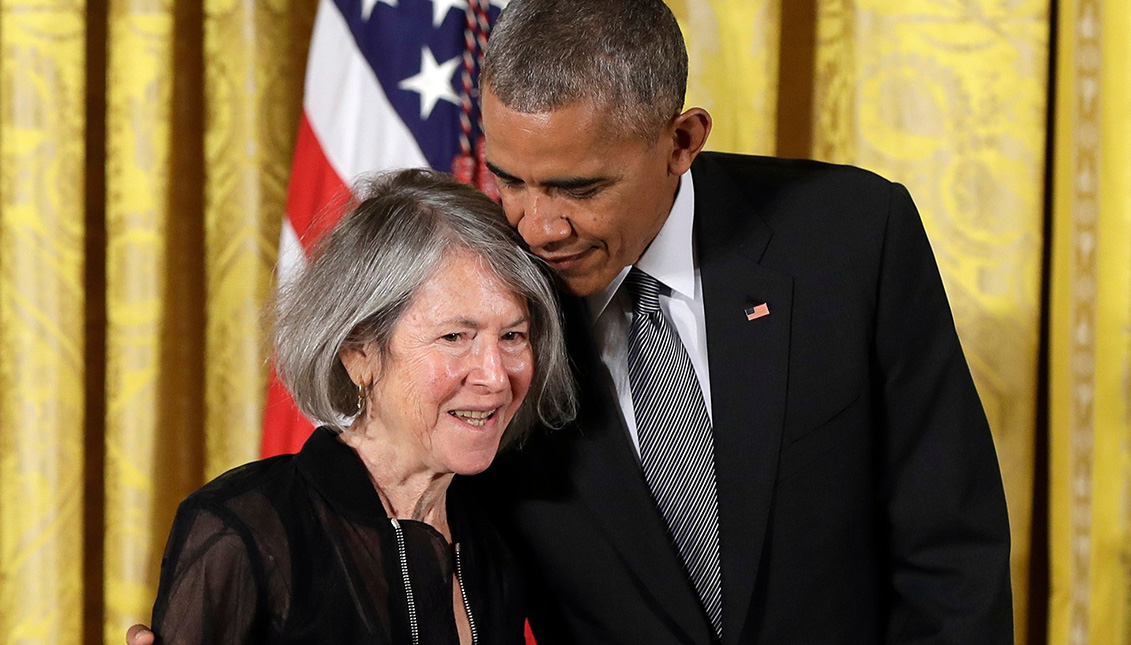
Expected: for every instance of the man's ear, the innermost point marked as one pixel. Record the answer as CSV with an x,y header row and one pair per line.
x,y
689,131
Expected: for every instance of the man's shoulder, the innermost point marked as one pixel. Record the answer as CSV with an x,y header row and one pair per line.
x,y
792,195
787,182
786,170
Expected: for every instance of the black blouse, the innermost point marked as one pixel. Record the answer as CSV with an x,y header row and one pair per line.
x,y
298,549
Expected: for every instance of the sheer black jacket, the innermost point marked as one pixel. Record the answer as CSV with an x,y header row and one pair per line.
x,y
298,549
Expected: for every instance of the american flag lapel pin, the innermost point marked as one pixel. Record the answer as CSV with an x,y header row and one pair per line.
x,y
757,311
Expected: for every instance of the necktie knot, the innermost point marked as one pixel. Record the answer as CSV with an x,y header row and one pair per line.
x,y
645,291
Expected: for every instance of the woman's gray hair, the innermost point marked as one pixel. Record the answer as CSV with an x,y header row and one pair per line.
x,y
365,272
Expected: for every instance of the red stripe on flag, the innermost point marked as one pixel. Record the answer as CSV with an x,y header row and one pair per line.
x,y
314,203
316,194
284,427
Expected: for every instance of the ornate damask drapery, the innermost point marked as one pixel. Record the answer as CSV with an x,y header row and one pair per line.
x,y
1090,328
42,300
144,152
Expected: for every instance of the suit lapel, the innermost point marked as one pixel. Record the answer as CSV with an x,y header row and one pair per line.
x,y
607,474
748,365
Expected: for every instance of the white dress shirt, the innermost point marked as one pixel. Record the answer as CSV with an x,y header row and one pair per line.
x,y
670,258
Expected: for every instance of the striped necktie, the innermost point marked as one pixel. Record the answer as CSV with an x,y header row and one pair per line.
x,y
677,450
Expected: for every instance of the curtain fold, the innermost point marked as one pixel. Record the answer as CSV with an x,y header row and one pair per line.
x,y
253,60
732,50
153,349
42,319
203,102
950,99
1090,329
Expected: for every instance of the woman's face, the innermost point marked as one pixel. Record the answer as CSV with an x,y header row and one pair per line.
x,y
460,363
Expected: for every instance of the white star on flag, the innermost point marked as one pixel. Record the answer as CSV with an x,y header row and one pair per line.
x,y
367,6
434,82
440,9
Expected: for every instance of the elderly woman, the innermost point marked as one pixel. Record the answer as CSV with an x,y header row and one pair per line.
x,y
425,338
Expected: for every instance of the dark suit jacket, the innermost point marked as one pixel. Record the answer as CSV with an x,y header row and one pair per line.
x,y
860,499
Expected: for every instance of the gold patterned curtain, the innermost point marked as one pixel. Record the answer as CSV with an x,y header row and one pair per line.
x,y
732,51
144,152
1090,328
42,318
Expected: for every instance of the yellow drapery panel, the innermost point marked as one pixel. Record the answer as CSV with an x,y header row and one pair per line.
x,y
203,109
949,98
42,167
254,62
202,100
732,50
1090,329
153,416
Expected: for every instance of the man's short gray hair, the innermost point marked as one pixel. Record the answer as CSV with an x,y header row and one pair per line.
x,y
365,273
627,56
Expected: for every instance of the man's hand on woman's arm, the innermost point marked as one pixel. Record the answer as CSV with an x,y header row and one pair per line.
x,y
139,635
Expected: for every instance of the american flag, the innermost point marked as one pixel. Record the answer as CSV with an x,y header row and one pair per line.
x,y
757,311
389,84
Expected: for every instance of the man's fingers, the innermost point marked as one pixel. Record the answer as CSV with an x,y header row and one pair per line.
x,y
139,635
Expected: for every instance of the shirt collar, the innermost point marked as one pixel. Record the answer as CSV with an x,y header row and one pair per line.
x,y
669,257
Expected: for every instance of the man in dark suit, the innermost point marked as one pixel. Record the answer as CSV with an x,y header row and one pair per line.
x,y
845,482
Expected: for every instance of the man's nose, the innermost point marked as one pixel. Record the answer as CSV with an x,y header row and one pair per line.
x,y
542,222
